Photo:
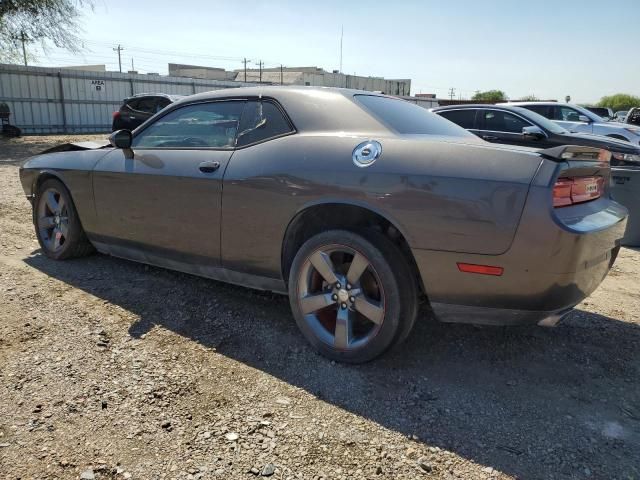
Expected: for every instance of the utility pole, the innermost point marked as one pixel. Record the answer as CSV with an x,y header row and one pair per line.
x,y
281,75
245,61
260,63
24,39
452,93
119,49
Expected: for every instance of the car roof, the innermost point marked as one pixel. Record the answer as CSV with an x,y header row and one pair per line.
x,y
502,106
472,105
534,103
164,95
276,91
310,108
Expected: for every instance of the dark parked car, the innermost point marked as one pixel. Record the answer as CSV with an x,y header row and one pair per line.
x,y
633,116
139,108
520,126
355,204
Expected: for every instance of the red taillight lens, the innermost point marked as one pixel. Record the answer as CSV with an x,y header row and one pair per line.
x,y
569,191
116,114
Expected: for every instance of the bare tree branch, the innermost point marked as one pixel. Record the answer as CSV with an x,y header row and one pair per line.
x,y
40,21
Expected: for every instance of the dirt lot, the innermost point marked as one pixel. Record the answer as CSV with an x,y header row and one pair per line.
x,y
113,370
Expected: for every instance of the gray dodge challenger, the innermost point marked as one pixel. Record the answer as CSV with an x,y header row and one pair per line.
x,y
357,205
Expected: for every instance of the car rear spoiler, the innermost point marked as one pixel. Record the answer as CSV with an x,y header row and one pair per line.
x,y
77,146
566,153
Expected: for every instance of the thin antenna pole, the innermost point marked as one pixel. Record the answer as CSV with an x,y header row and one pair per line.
x,y
245,69
281,75
261,64
132,67
341,37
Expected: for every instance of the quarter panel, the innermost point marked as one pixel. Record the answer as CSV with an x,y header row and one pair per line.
x,y
441,195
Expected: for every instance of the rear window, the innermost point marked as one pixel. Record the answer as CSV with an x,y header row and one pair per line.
x,y
407,118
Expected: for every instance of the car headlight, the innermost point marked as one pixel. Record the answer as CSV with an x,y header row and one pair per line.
x,y
626,157
635,131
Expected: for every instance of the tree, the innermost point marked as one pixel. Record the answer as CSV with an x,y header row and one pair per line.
x,y
490,96
38,21
529,98
619,101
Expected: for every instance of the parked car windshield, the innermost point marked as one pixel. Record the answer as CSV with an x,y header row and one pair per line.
x,y
589,114
407,118
541,121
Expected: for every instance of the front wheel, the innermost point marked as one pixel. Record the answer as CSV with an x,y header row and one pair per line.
x,y
352,297
58,227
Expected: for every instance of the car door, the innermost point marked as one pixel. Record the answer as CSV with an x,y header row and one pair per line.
x,y
163,197
500,126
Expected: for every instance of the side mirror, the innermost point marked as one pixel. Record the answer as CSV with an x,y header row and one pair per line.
x,y
121,139
533,133
584,118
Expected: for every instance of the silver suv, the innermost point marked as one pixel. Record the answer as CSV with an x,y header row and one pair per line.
x,y
578,119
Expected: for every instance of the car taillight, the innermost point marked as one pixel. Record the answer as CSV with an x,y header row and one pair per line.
x,y
116,114
569,191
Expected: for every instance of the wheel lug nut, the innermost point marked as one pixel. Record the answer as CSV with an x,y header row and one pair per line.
x,y
334,297
344,305
348,286
352,299
338,285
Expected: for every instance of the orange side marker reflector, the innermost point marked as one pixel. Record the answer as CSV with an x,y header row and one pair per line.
x,y
481,269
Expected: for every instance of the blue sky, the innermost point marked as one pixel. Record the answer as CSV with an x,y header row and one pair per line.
x,y
582,48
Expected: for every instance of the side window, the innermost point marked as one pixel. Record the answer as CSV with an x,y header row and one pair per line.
x,y
212,125
464,118
499,121
543,110
261,120
568,114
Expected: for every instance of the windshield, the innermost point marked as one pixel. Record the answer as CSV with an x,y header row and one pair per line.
x,y
541,121
589,114
408,118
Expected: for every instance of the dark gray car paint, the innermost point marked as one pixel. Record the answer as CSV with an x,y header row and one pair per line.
x,y
454,199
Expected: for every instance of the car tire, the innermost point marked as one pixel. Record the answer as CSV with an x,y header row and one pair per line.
x,y
353,295
57,224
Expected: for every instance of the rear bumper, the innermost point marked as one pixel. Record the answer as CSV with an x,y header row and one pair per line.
x,y
557,258
496,316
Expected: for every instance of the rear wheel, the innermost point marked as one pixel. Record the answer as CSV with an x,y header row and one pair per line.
x,y
352,297
58,227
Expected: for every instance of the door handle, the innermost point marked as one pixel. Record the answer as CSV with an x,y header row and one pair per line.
x,y
489,137
208,167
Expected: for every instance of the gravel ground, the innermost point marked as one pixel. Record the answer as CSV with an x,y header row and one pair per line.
x,y
113,370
